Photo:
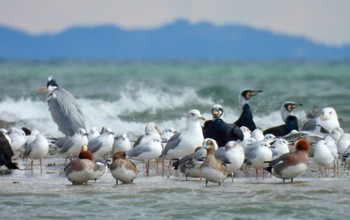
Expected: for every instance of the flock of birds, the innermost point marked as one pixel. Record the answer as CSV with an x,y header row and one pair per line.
x,y
213,151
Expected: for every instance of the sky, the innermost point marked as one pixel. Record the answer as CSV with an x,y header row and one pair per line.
x,y
323,21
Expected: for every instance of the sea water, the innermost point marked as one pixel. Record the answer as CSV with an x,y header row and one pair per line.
x,y
126,95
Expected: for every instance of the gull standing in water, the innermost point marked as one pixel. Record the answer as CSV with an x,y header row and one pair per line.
x,y
64,108
185,142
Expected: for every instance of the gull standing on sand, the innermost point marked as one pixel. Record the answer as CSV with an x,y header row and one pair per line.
x,y
185,142
64,108
122,169
36,147
323,156
212,170
102,145
72,146
256,154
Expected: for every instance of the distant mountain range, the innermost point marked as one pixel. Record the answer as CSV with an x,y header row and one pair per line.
x,y
179,40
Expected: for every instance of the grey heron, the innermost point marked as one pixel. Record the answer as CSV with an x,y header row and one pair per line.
x,y
64,108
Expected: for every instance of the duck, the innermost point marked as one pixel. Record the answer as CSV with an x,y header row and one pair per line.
x,y
246,117
293,164
219,130
122,169
83,168
212,170
290,121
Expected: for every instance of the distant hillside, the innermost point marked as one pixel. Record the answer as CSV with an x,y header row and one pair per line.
x,y
180,40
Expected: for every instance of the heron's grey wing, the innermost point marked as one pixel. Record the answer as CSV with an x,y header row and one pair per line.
x,y
66,112
67,144
95,144
172,143
310,125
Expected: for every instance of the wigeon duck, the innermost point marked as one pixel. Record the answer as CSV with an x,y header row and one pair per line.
x,y
83,168
219,130
122,169
291,165
246,117
64,108
185,142
290,121
212,170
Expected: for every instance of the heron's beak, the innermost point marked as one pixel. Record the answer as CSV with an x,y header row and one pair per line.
x,y
42,89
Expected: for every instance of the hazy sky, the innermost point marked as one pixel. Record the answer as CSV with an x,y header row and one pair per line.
x,y
326,21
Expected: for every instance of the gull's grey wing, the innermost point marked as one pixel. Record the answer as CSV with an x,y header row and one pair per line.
x,y
67,144
135,152
172,143
95,145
